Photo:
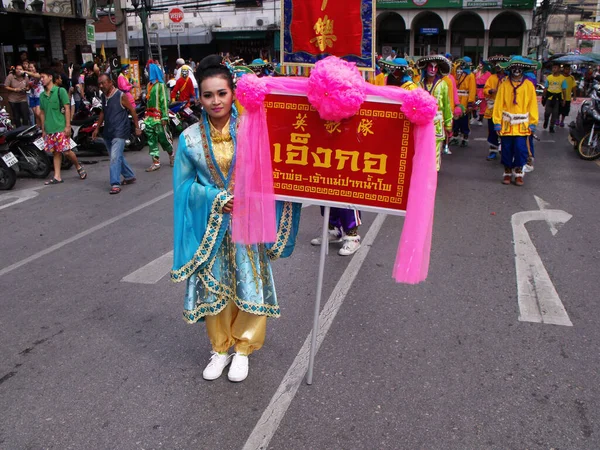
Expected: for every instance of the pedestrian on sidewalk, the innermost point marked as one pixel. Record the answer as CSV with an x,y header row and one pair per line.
x,y
515,117
116,108
17,84
157,117
229,286
55,119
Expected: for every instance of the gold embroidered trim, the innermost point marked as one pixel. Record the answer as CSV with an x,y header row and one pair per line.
x,y
208,159
208,240
283,233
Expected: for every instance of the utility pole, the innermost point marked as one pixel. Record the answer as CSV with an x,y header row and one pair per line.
x,y
565,29
122,35
545,8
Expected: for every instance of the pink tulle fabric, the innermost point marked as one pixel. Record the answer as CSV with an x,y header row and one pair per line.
x,y
412,258
336,89
254,206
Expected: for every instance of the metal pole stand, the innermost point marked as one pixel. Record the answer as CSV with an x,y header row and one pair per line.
x,y
315,330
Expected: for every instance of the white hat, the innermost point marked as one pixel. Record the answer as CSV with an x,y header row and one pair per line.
x,y
180,61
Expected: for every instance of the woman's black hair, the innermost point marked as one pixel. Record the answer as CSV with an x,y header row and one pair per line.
x,y
213,66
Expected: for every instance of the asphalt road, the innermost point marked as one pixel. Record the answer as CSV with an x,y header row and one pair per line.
x,y
88,361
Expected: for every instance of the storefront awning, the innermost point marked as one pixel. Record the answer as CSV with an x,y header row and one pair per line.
x,y
191,36
239,35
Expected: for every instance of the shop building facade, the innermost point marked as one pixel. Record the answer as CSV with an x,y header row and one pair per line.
x,y
474,28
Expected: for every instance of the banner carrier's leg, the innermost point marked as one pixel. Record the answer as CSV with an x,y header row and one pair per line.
x,y
315,330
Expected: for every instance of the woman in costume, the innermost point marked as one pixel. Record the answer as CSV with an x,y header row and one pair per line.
x,y
229,286
398,73
481,76
432,80
515,117
489,90
124,85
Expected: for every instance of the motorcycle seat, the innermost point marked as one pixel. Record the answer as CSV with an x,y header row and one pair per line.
x,y
87,121
176,106
10,135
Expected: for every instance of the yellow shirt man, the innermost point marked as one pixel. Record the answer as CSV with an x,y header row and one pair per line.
x,y
571,83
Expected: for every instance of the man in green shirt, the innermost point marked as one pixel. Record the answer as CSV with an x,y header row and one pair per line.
x,y
55,117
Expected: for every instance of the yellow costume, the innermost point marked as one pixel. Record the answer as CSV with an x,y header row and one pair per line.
x,y
515,116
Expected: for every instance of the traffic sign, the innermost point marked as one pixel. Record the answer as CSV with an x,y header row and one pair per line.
x,y
176,15
177,27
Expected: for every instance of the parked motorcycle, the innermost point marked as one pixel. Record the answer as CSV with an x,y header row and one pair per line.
x,y
5,122
584,132
181,116
27,145
8,176
136,143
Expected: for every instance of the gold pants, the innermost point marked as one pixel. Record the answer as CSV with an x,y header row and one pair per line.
x,y
234,327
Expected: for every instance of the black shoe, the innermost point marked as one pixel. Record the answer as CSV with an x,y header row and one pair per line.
x,y
545,123
551,129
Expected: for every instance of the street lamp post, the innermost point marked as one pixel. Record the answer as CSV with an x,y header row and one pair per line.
x,y
144,13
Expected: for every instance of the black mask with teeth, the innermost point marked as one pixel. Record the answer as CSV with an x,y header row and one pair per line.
x,y
517,72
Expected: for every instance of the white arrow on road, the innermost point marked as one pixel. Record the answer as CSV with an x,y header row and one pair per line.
x,y
538,299
18,196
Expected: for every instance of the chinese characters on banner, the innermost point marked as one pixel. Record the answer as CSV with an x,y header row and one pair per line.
x,y
365,161
315,29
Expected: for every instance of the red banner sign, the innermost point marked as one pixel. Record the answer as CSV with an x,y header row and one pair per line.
x,y
315,29
364,161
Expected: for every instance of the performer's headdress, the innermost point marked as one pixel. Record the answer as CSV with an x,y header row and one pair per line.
x,y
442,62
520,62
497,59
259,67
392,66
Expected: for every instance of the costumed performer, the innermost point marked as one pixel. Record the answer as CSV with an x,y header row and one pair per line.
x,y
229,286
433,67
467,91
398,71
481,76
490,90
124,85
183,90
157,117
515,117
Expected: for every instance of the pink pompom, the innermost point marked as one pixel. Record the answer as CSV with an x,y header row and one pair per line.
x,y
251,91
419,107
336,89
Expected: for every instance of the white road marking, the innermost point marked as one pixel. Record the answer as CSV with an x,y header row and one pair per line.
x,y
152,272
543,205
271,418
538,300
306,205
19,196
480,139
547,141
82,234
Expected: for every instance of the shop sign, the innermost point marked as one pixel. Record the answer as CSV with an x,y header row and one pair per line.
x,y
340,163
90,32
316,29
587,31
430,31
418,4
467,4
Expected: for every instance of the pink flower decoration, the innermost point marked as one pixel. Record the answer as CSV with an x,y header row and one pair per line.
x,y
336,89
419,107
251,91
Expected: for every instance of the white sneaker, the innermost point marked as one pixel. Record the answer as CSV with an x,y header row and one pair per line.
x,y
239,368
216,365
334,237
473,121
351,245
527,168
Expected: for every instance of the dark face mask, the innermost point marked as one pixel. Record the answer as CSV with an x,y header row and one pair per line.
x,y
516,73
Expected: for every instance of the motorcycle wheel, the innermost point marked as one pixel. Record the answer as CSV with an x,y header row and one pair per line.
x,y
8,177
42,166
587,152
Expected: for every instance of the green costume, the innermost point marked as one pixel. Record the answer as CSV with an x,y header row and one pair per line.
x,y
443,118
157,116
